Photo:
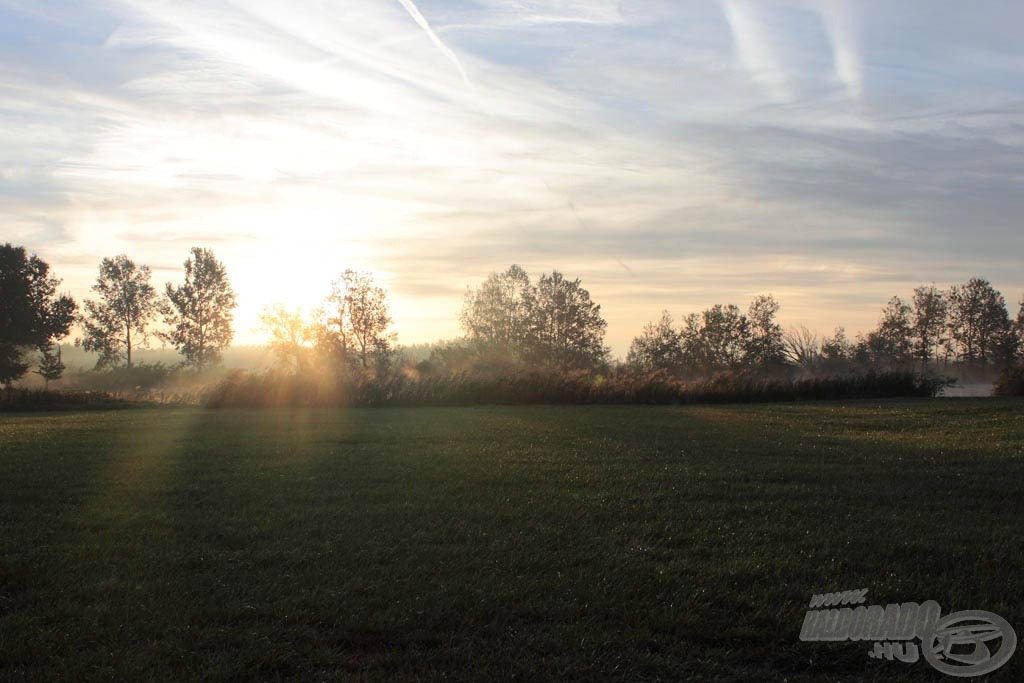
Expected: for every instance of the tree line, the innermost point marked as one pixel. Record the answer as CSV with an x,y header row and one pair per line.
x,y
197,313
720,338
510,319
967,324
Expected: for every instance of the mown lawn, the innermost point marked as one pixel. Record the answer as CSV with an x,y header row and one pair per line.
x,y
493,543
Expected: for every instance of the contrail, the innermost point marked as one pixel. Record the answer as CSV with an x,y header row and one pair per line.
x,y
755,50
422,21
840,26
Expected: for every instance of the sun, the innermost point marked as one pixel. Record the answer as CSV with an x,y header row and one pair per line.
x,y
291,266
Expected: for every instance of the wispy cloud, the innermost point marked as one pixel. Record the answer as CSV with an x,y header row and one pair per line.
x,y
556,11
841,24
754,47
299,138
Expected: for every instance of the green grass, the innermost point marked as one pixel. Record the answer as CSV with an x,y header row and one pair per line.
x,y
586,543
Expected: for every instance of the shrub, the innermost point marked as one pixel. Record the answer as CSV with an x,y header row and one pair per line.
x,y
1010,382
273,389
18,400
140,377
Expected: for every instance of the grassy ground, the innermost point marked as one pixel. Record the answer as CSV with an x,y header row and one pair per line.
x,y
494,543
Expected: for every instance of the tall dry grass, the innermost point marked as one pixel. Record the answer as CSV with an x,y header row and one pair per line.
x,y
277,389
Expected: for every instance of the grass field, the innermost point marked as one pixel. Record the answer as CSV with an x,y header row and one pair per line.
x,y
533,543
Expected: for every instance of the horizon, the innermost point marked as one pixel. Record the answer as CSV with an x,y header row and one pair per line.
x,y
670,155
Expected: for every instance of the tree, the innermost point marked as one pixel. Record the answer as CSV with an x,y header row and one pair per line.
x,y
861,352
1019,327
892,342
837,349
565,328
691,343
724,337
495,316
978,321
201,310
31,314
658,346
127,303
765,346
716,339
928,322
802,347
354,322
290,335
50,365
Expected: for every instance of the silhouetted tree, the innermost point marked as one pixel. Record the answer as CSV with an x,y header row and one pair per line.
x,y
117,322
31,314
724,336
495,316
802,347
765,346
354,322
290,335
861,351
836,351
928,322
658,346
50,365
979,322
1019,327
201,310
892,343
691,343
566,329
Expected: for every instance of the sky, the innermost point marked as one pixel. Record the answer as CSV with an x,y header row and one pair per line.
x,y
670,154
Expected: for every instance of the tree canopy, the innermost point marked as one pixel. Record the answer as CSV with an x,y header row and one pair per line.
x,y
117,322
290,335
719,338
354,322
51,367
979,322
32,315
552,322
658,346
201,310
495,316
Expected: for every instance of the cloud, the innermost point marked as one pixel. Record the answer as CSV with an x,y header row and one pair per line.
x,y
840,23
554,11
754,47
614,142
